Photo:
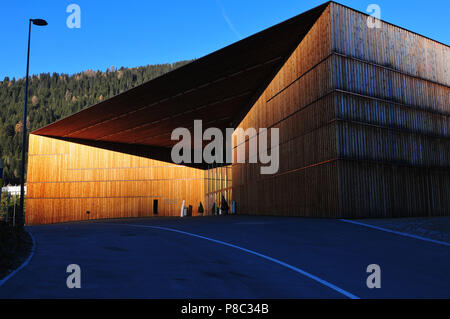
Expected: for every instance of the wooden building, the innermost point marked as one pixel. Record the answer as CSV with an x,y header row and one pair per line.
x,y
363,117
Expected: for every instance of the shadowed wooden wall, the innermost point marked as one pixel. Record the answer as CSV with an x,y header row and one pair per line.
x,y
299,102
364,125
67,179
392,111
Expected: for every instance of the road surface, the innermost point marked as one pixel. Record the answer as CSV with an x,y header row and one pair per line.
x,y
229,257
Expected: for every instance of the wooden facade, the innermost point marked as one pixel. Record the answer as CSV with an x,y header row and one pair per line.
x,y
392,111
363,116
299,101
66,179
364,125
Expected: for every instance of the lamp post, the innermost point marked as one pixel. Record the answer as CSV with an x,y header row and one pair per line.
x,y
38,22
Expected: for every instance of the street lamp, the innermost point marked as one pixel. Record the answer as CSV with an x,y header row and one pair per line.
x,y
38,22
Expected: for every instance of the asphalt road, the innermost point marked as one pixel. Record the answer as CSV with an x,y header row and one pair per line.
x,y
228,257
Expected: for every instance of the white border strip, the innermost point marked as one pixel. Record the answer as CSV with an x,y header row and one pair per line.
x,y
397,232
25,263
298,270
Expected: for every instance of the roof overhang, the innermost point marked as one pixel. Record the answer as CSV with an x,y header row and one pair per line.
x,y
218,89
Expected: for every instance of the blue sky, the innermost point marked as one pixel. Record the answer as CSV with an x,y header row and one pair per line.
x,y
134,33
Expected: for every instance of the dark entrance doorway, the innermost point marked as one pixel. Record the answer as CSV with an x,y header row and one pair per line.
x,y
155,207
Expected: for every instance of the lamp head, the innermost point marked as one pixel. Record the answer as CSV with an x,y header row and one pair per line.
x,y
39,22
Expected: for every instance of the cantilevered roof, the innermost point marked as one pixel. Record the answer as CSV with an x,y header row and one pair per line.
x,y
219,89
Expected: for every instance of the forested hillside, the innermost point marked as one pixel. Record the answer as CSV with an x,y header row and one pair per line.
x,y
51,97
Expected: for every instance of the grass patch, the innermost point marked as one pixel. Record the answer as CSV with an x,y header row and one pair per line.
x,y
15,247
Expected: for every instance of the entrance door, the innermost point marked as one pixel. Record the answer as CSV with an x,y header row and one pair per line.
x,y
155,207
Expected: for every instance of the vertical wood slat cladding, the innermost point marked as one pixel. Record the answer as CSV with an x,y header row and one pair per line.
x,y
374,190
389,46
393,108
299,103
308,191
218,183
364,115
375,81
67,179
391,115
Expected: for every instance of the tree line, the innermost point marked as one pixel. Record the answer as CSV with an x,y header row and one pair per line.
x,y
54,96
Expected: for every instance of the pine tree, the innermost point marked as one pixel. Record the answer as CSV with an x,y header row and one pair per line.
x,y
53,96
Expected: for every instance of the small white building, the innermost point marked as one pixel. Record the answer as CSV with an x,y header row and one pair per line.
x,y
13,190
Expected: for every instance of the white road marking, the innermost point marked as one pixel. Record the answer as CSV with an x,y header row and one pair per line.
x,y
25,263
397,232
279,262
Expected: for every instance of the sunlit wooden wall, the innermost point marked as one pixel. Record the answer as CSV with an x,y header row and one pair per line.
x,y
364,125
67,179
